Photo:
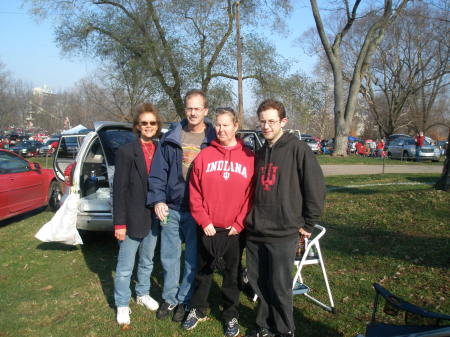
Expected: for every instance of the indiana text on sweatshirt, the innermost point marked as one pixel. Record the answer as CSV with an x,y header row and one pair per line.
x,y
220,185
289,191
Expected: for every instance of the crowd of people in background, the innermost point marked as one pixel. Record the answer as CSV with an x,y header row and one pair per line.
x,y
368,148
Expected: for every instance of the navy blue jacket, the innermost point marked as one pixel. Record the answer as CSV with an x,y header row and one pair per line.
x,y
166,181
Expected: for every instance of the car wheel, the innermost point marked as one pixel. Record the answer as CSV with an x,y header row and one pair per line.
x,y
54,196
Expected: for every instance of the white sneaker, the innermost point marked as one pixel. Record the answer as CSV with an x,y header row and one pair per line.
x,y
148,302
123,315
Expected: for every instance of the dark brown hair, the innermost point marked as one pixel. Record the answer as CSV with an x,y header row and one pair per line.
x,y
195,92
272,104
146,108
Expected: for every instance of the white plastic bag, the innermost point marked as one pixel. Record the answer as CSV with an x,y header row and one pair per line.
x,y
63,226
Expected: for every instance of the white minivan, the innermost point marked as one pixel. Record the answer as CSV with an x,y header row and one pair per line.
x,y
89,172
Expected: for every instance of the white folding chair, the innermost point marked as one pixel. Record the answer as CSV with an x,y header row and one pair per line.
x,y
311,256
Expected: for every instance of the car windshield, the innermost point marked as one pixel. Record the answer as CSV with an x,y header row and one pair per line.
x,y
112,139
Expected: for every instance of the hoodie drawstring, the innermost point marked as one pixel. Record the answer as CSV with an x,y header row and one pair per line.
x,y
267,160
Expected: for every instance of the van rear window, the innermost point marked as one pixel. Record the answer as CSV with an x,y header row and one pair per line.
x,y
112,139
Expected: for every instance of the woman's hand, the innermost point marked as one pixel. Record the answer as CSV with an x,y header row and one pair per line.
x,y
209,230
120,234
232,231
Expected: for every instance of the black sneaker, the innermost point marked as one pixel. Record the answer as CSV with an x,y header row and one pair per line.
x,y
180,312
232,328
164,310
289,334
192,319
261,332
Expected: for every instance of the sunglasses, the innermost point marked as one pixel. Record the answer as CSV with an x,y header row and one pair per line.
x,y
145,123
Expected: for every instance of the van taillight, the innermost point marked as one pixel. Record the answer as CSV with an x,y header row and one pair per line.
x,y
68,174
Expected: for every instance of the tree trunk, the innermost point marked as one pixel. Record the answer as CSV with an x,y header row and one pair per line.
x,y
344,112
444,181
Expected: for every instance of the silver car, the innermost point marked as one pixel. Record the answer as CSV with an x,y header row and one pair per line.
x,y
313,144
90,173
405,148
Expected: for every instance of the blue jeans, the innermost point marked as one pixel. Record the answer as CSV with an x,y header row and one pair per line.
x,y
180,227
125,264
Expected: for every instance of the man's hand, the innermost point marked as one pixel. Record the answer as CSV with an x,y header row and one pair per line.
x,y
161,210
304,233
209,230
120,234
232,231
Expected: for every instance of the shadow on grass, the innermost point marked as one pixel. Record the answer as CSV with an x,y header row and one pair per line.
x,y
305,327
425,180
20,217
100,253
247,315
367,190
56,246
100,250
420,249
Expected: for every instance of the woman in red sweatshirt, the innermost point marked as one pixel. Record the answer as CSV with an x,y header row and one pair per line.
x,y
220,187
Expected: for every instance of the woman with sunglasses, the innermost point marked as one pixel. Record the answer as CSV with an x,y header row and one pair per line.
x,y
134,227
220,188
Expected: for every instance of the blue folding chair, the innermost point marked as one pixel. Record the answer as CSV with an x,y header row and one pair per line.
x,y
418,322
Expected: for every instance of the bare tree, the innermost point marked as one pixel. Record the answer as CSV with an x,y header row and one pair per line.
x,y
409,71
345,103
14,98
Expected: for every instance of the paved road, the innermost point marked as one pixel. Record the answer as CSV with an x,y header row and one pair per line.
x,y
335,170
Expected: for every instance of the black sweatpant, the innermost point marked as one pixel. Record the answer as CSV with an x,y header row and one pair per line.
x,y
270,268
203,277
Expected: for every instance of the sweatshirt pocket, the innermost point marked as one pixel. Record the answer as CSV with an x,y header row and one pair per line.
x,y
268,220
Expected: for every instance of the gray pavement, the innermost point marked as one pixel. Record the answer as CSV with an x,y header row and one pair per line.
x,y
335,170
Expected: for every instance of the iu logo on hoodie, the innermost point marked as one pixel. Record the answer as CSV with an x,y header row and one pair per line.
x,y
269,178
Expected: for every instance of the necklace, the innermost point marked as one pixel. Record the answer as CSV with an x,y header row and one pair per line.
x,y
147,152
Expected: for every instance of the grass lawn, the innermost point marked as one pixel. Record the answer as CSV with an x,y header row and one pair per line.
x,y
396,234
46,162
355,160
324,159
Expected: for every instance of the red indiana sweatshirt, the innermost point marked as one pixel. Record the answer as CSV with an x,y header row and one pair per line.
x,y
220,185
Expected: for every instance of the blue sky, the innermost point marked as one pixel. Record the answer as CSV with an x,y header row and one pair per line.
x,y
29,53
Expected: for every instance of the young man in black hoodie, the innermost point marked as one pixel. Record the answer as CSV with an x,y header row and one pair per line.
x,y
289,197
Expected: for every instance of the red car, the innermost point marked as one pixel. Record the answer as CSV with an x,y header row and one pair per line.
x,y
25,186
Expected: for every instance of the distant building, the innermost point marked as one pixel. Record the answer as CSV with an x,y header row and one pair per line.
x,y
41,113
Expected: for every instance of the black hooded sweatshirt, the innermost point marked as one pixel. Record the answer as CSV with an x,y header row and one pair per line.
x,y
289,191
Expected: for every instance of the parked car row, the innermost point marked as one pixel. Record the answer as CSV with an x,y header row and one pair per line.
x,y
47,147
26,148
405,148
